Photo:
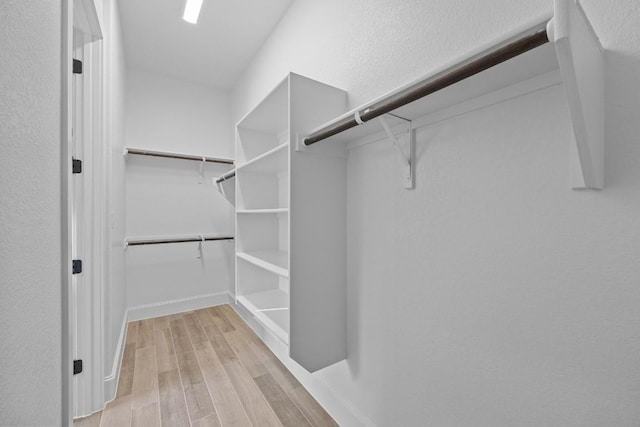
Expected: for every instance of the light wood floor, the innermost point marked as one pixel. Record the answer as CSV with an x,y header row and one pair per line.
x,y
204,368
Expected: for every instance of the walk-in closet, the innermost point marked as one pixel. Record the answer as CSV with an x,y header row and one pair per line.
x,y
290,213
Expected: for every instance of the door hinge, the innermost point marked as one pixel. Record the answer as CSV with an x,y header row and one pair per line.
x,y
77,66
77,366
76,266
76,166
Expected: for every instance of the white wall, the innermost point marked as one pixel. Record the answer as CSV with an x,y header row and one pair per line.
x,y
165,196
115,293
30,220
167,114
491,295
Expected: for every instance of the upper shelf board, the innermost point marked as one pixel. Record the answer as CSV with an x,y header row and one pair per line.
x,y
271,115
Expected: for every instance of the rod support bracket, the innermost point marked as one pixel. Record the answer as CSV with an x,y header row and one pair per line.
x,y
403,143
581,61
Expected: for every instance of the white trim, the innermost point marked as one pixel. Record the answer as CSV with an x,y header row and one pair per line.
x,y
181,305
343,411
111,381
66,46
97,221
87,198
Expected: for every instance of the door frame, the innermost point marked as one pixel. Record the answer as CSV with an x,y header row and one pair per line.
x,y
82,35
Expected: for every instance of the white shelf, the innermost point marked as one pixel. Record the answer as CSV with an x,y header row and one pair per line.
x,y
271,115
274,160
271,308
263,211
274,261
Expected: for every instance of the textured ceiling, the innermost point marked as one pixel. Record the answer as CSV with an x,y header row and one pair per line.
x,y
212,52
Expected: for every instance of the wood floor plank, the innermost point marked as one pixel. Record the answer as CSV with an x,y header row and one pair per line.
x,y
249,359
235,319
247,332
205,317
165,353
132,332
180,336
145,378
145,333
173,408
161,322
311,409
210,421
194,328
220,344
221,319
282,375
199,403
117,413
225,400
125,382
254,403
147,416
286,411
90,421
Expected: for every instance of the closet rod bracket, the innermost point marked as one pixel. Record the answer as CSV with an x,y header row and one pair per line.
x,y
403,143
581,61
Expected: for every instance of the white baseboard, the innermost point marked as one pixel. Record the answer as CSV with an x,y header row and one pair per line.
x,y
165,308
111,381
340,408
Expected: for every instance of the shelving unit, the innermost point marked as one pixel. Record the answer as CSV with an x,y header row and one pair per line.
x,y
290,239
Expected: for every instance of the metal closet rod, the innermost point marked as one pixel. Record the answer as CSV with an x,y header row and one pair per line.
x,y
526,41
177,156
176,240
226,176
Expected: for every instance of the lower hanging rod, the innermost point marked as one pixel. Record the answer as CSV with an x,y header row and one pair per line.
x,y
226,176
526,41
141,242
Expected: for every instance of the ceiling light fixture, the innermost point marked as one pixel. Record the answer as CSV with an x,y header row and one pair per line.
x,y
192,10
